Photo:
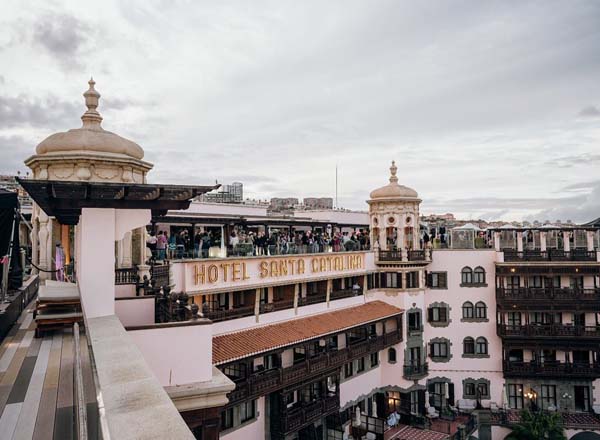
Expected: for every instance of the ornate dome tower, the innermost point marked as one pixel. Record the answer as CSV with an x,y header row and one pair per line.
x,y
394,216
88,153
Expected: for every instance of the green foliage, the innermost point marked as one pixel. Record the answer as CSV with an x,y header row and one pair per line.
x,y
537,426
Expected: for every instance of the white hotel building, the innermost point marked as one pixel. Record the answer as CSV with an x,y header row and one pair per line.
x,y
452,341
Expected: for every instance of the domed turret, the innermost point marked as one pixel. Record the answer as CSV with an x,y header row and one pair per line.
x,y
394,216
91,137
394,191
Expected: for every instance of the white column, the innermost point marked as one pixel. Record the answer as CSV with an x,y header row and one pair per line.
x,y
589,235
97,261
383,239
400,237
296,296
497,241
223,253
124,247
543,244
35,258
329,289
566,242
519,241
43,239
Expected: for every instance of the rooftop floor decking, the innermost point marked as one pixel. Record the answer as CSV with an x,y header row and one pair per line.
x,y
36,384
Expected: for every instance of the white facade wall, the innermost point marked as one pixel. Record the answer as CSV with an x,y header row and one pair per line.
x,y
251,430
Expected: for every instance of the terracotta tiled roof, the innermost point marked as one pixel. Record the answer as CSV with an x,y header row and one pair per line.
x,y
237,345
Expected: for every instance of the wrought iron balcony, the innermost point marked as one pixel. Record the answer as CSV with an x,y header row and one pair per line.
x,y
264,382
551,369
416,371
296,418
557,255
557,296
549,331
395,256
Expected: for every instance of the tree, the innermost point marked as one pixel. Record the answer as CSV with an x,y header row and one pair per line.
x,y
538,425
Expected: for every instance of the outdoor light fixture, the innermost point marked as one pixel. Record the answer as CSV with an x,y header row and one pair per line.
x,y
513,270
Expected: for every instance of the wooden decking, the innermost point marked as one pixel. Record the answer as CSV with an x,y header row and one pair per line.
x,y
36,384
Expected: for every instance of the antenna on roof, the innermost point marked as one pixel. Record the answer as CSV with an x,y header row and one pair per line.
x,y
336,186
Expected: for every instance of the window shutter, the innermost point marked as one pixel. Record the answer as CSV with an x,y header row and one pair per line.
x,y
430,314
428,279
443,316
443,279
451,394
421,394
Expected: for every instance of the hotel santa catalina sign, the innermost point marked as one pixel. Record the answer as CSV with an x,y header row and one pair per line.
x,y
250,271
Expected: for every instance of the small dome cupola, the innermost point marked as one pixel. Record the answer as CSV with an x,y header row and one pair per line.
x,y
394,191
91,138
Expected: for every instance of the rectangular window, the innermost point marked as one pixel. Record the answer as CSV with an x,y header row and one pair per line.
x,y
349,369
227,419
414,321
469,389
515,396
393,280
414,402
360,365
374,359
438,314
482,390
271,361
235,372
514,320
548,396
412,280
439,349
535,282
247,411
437,280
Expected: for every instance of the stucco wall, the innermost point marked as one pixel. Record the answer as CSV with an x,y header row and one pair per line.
x,y
136,311
252,430
177,364
459,368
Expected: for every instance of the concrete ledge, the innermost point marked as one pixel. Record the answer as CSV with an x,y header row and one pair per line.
x,y
132,403
201,395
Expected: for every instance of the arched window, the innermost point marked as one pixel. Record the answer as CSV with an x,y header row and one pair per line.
x,y
468,345
392,355
480,310
466,275
479,275
467,309
481,346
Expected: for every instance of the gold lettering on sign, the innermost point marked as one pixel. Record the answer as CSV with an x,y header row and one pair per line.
x,y
236,271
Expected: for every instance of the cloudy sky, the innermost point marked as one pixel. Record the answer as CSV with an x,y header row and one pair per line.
x,y
490,109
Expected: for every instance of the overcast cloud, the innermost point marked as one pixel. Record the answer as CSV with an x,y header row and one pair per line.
x,y
489,108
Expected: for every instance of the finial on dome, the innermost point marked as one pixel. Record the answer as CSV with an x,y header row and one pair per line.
x,y
393,170
91,118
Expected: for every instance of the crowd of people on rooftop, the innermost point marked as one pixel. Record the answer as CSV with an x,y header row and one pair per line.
x,y
241,242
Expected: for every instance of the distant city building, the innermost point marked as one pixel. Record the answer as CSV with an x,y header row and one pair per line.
x,y
233,193
281,203
318,203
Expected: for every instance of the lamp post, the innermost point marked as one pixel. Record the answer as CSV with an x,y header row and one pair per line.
x,y
531,395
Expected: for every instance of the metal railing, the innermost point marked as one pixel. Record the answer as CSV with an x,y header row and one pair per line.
x,y
415,370
547,293
549,255
549,330
396,255
79,396
551,369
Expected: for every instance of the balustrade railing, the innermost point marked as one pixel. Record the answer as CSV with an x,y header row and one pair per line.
x,y
415,370
294,419
547,293
551,368
549,255
126,276
549,330
263,382
396,255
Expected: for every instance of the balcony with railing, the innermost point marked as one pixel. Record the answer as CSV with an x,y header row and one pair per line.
x,y
267,381
557,296
416,371
553,255
296,418
590,333
412,256
551,369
